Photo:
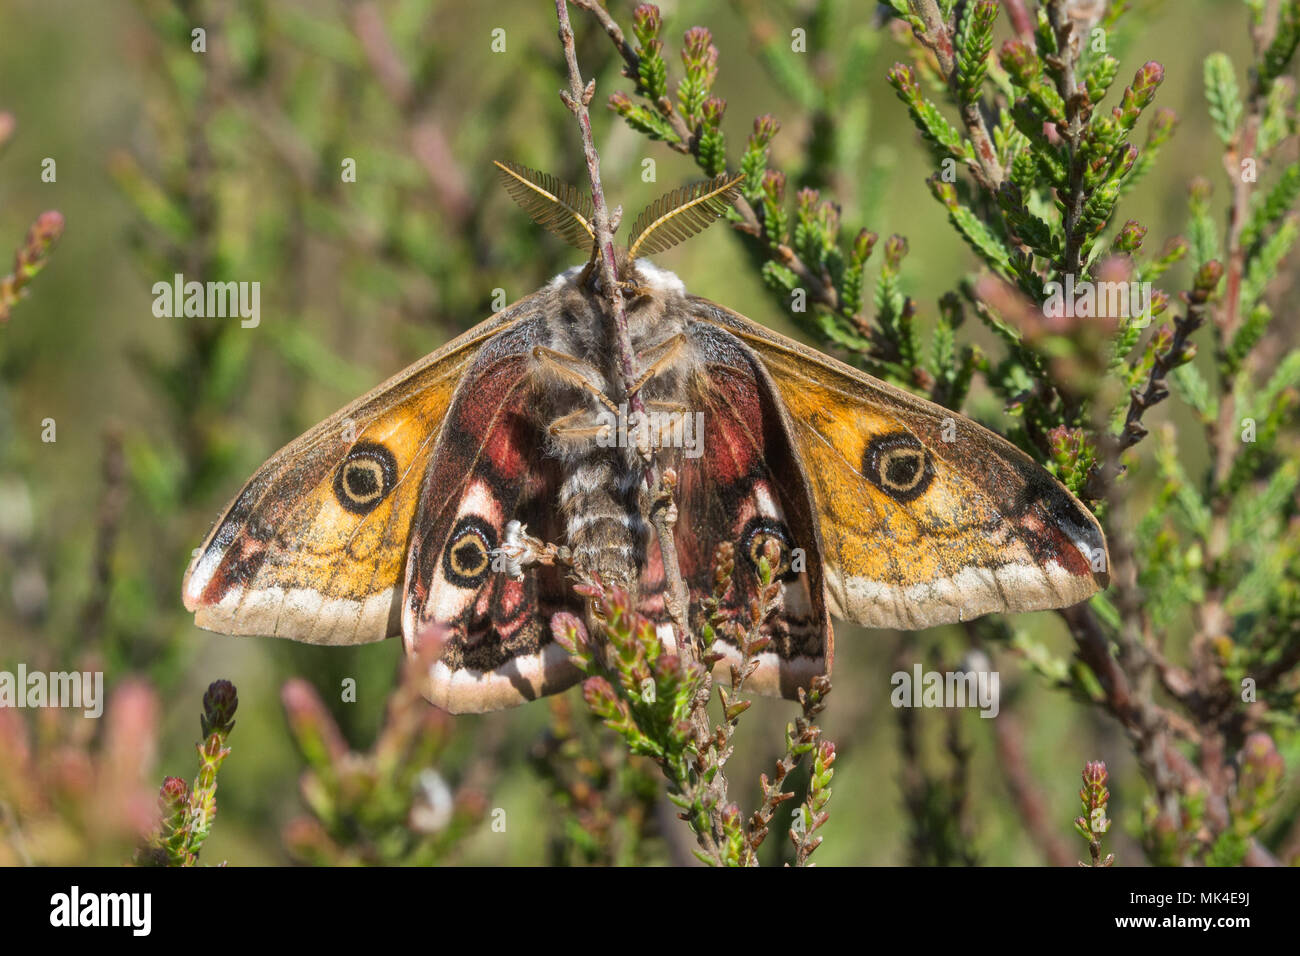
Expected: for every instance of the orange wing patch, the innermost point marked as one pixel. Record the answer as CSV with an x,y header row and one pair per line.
x,y
314,546
919,531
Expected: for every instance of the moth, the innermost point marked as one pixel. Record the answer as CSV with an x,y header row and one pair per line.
x,y
391,516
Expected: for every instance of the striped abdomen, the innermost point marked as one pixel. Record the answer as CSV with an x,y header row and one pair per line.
x,y
603,524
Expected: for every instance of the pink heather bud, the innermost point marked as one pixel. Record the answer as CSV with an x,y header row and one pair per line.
x,y
945,192
173,793
646,20
1019,60
1131,235
48,226
765,128
568,631
219,706
698,51
826,752
1094,794
895,249
598,693
774,186
903,79
1207,280
1145,81
712,109
863,244
1261,766
1163,122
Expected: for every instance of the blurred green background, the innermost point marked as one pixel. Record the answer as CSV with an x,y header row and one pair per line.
x,y
225,165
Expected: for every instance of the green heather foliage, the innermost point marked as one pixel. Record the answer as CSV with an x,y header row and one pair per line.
x,y
187,813
947,194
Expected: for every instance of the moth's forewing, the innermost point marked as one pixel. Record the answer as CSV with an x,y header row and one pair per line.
x,y
314,546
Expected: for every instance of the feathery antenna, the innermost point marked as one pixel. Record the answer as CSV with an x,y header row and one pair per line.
x,y
556,206
681,214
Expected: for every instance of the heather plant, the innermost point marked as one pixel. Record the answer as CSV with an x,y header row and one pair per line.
x,y
390,805
605,796
33,254
656,701
29,260
188,812
1094,823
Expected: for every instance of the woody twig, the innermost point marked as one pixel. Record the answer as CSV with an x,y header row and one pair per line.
x,y
659,503
578,98
663,511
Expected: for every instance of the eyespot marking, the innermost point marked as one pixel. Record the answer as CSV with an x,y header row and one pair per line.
x,y
898,465
467,559
365,477
756,535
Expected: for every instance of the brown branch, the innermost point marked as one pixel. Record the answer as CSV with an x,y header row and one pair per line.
x,y
938,40
1022,21
577,98
625,49
1156,389
1063,26
663,511
819,287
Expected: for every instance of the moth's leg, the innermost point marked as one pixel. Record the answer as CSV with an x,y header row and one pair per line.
x,y
667,353
578,433
575,428
680,408
572,370
570,422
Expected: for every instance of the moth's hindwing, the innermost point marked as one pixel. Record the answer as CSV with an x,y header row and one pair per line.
x,y
744,484
926,518
489,467
313,548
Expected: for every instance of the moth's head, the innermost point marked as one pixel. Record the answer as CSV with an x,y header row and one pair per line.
x,y
568,213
